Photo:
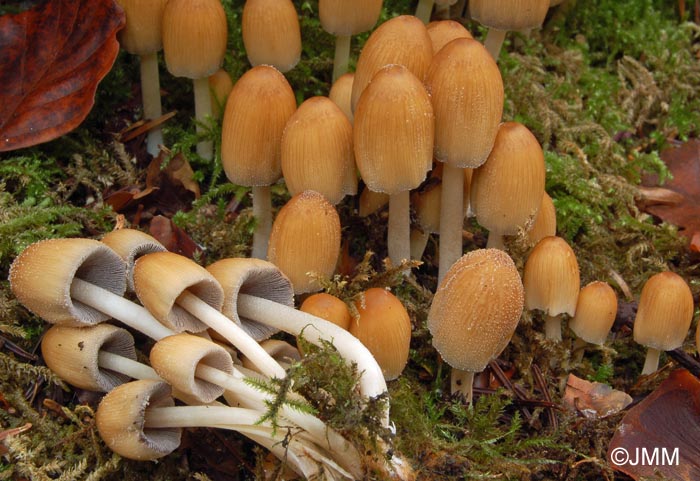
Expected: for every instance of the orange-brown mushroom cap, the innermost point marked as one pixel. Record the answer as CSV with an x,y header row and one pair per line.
x,y
595,312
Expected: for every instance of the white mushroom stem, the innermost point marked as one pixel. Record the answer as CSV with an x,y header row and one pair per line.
x,y
552,327
243,420
202,111
232,332
451,218
135,316
495,241
342,56
343,452
424,9
315,330
126,366
461,382
494,41
419,240
578,349
262,210
399,235
150,95
651,362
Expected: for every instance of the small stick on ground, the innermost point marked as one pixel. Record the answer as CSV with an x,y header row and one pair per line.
x,y
542,385
519,393
685,360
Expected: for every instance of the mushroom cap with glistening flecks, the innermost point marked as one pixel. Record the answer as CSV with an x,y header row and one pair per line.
x,y
271,33
130,244
305,239
340,17
443,32
384,327
393,131
509,14
317,151
595,312
73,354
256,112
194,37
507,190
121,419
175,359
403,40
341,93
664,313
161,277
41,278
466,91
142,34
551,277
254,277
476,309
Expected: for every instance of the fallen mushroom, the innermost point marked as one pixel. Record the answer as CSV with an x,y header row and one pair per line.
x,y
130,244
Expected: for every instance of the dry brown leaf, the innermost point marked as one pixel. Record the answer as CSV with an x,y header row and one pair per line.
x,y
593,399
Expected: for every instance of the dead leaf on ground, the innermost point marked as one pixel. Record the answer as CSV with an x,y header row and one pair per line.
x,y
667,423
53,57
593,399
683,208
173,238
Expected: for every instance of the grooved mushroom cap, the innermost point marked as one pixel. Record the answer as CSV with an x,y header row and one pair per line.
x,y
551,277
403,40
595,312
257,110
509,14
254,277
159,279
130,244
175,359
340,17
220,84
327,307
371,201
507,190
142,34
545,222
664,313
72,353
317,151
341,93
394,131
476,309
443,32
194,37
121,419
384,327
466,90
41,278
271,33
305,239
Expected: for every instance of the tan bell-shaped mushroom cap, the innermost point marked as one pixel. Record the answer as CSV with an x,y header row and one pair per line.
x,y
73,354
121,419
595,312
271,33
664,313
281,351
175,359
341,94
370,202
551,278
384,327
221,84
254,277
476,309
130,244
509,14
340,17
545,222
41,278
305,239
257,110
328,307
142,34
403,40
466,90
443,32
507,190
317,151
194,37
394,131
161,277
